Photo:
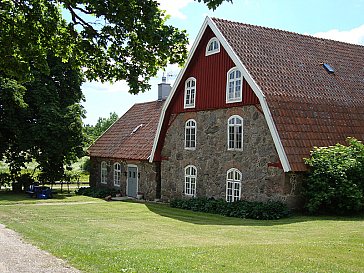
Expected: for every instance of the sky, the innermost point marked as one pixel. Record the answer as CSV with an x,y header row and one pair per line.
x,y
341,20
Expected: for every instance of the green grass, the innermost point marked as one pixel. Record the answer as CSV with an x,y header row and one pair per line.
x,y
137,237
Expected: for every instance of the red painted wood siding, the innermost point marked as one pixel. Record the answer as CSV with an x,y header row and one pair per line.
x,y
210,73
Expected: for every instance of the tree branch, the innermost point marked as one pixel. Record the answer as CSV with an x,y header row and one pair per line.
x,y
77,19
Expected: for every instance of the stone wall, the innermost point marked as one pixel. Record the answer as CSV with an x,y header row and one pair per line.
x,y
213,160
147,181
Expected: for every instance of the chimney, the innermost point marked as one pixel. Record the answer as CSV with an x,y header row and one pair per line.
x,y
164,89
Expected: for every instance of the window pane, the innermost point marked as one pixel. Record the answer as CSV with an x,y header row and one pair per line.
x,y
231,75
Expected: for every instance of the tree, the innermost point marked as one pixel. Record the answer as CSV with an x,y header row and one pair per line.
x,y
49,126
93,132
113,40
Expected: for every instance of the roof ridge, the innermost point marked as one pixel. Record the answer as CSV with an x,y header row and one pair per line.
x,y
285,31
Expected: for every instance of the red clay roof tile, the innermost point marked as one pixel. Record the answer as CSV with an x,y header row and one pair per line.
x,y
322,108
124,140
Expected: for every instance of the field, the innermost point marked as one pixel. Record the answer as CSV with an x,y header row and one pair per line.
x,y
99,236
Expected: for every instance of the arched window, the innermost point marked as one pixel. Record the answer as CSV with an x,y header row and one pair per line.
x,y
233,185
103,172
190,180
235,133
190,134
213,46
190,93
234,86
117,174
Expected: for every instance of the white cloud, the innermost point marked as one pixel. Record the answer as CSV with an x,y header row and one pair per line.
x,y
354,36
173,8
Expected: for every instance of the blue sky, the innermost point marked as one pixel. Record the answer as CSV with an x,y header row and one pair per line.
x,y
334,19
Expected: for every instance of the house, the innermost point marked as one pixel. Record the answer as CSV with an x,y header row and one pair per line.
x,y
249,105
120,157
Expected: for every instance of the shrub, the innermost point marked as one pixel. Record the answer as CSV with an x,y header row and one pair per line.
x,y
335,183
243,209
96,192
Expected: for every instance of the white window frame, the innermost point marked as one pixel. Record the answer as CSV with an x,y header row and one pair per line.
x,y
235,84
190,93
190,180
233,185
189,136
214,50
103,172
117,174
235,132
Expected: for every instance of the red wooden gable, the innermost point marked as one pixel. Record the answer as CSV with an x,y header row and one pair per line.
x,y
210,73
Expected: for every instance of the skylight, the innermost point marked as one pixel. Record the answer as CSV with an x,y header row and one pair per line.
x,y
137,128
328,68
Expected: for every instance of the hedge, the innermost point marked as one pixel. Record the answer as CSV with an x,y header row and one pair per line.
x,y
242,209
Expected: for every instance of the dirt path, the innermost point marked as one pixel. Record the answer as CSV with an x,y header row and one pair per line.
x,y
18,256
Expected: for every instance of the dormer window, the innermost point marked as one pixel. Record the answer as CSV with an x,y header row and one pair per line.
x,y
190,93
213,46
234,86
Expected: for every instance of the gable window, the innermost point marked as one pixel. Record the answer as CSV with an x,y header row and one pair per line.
x,y
235,133
233,185
190,93
117,174
190,180
234,86
190,134
103,172
213,46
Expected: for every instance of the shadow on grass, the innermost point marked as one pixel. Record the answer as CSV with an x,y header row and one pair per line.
x,y
201,218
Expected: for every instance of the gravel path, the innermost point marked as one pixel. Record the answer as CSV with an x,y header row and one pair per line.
x,y
18,256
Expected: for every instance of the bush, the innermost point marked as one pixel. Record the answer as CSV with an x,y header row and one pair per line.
x,y
96,192
335,183
243,209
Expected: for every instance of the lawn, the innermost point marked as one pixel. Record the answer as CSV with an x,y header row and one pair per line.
x,y
99,236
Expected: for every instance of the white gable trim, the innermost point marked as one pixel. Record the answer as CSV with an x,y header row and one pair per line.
x,y
256,89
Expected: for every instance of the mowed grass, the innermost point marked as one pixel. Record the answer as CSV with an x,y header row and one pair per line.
x,y
139,237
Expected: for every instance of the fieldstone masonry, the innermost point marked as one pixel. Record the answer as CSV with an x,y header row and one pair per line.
x,y
147,181
213,160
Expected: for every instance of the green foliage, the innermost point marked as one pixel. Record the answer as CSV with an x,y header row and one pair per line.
x,y
45,122
22,182
86,165
96,192
213,4
93,132
113,40
5,179
335,183
242,209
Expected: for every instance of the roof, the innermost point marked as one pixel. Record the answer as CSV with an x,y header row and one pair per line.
x,y
309,106
131,136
